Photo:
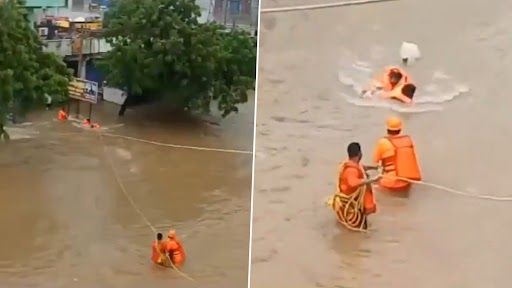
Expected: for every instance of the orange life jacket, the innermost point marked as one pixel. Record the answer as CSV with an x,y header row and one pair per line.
x,y
176,251
62,116
343,187
386,84
404,162
395,92
156,250
87,123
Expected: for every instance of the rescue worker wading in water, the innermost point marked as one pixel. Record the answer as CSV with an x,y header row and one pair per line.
x,y
174,248
62,115
397,156
158,251
353,175
395,84
87,123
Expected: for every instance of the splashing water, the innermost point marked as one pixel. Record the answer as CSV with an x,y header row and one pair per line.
x,y
429,96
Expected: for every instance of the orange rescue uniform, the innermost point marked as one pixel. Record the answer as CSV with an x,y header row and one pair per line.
x,y
88,123
398,158
394,91
350,178
158,252
176,251
62,115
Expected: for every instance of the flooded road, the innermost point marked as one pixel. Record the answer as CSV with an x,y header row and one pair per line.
x,y
304,124
67,223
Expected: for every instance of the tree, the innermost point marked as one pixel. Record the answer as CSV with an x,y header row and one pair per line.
x,y
160,48
26,72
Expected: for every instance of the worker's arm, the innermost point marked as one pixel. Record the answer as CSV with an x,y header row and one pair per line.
x,y
354,181
373,87
377,153
386,95
397,95
372,180
370,167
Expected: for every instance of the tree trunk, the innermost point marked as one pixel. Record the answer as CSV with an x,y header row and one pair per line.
x,y
122,110
124,105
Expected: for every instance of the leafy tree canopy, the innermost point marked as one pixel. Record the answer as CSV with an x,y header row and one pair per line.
x,y
159,47
26,72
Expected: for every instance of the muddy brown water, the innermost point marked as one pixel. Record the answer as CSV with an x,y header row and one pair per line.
x,y
66,223
431,238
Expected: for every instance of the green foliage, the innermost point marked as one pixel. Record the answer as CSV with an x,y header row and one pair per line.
x,y
159,47
26,72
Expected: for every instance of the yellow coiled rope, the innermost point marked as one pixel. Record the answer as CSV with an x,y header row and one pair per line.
x,y
349,209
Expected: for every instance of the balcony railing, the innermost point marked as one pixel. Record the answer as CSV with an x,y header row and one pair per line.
x,y
70,47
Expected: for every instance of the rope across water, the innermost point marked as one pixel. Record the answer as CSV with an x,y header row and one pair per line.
x,y
457,192
349,208
178,146
123,189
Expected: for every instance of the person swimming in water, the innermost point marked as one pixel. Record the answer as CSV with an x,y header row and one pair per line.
x,y
393,84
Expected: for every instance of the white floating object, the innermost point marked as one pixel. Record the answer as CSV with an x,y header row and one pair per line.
x,y
409,52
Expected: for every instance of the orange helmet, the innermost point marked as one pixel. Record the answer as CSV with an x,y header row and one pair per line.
x,y
171,234
394,123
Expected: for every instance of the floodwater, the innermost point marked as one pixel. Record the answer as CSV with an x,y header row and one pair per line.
x,y
304,123
65,221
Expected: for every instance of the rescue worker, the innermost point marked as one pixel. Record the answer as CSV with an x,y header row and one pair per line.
x,y
353,175
396,154
62,115
158,250
87,123
395,84
174,248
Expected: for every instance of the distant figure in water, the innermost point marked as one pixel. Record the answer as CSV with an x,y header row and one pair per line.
x,y
175,249
48,101
394,84
87,123
3,134
158,250
62,115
